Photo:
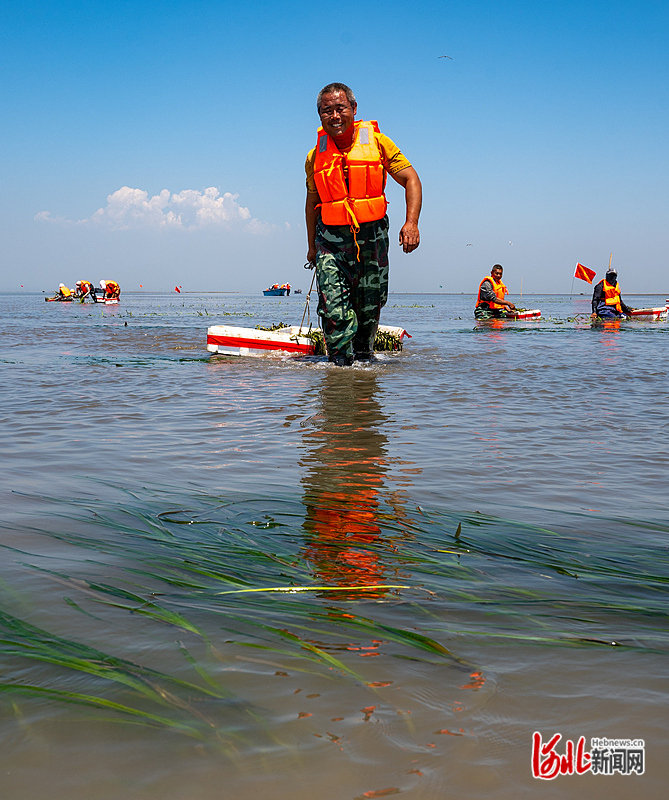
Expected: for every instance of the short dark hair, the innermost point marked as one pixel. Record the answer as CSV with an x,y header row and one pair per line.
x,y
497,266
336,87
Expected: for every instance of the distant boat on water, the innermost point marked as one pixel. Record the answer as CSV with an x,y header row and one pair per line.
x,y
274,292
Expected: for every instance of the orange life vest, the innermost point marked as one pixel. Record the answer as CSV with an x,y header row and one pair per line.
x,y
612,295
65,292
350,186
85,287
500,291
112,289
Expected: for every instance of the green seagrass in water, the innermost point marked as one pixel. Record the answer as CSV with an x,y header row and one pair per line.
x,y
384,341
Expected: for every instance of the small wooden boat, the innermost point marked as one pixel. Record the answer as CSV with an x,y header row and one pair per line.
x,y
274,292
291,340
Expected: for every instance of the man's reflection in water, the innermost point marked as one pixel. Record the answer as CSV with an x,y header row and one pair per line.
x,y
345,463
494,326
610,329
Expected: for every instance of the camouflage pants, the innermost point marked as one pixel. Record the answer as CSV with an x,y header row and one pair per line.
x,y
351,293
490,313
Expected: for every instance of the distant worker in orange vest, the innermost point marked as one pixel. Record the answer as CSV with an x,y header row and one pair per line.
x,y
347,226
490,300
111,289
606,300
63,293
83,289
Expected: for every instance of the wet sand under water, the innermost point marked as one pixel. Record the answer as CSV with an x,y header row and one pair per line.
x,y
282,579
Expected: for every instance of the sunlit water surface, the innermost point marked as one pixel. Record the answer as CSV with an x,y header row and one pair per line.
x,y
281,579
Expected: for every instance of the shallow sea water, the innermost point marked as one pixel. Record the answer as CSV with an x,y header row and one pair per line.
x,y
278,578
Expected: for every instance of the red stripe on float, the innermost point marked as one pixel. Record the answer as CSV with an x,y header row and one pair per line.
x,y
260,344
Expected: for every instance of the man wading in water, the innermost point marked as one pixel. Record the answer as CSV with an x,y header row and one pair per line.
x,y
347,226
606,300
490,301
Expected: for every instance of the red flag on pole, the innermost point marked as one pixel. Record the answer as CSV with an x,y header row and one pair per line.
x,y
584,273
177,289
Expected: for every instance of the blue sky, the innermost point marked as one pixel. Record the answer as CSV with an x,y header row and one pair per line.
x,y
164,143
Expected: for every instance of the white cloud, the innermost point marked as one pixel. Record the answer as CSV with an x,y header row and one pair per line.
x,y
190,209
47,216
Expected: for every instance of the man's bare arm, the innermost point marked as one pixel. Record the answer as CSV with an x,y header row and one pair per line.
x,y
311,215
413,194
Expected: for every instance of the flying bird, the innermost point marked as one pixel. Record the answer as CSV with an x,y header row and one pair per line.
x,y
449,57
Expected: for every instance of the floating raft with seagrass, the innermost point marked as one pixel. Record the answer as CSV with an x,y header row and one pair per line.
x,y
291,340
524,313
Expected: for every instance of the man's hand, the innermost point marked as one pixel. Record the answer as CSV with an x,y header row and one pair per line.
x,y
409,237
311,255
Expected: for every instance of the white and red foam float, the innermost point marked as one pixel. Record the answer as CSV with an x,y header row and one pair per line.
x,y
526,313
288,341
659,312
